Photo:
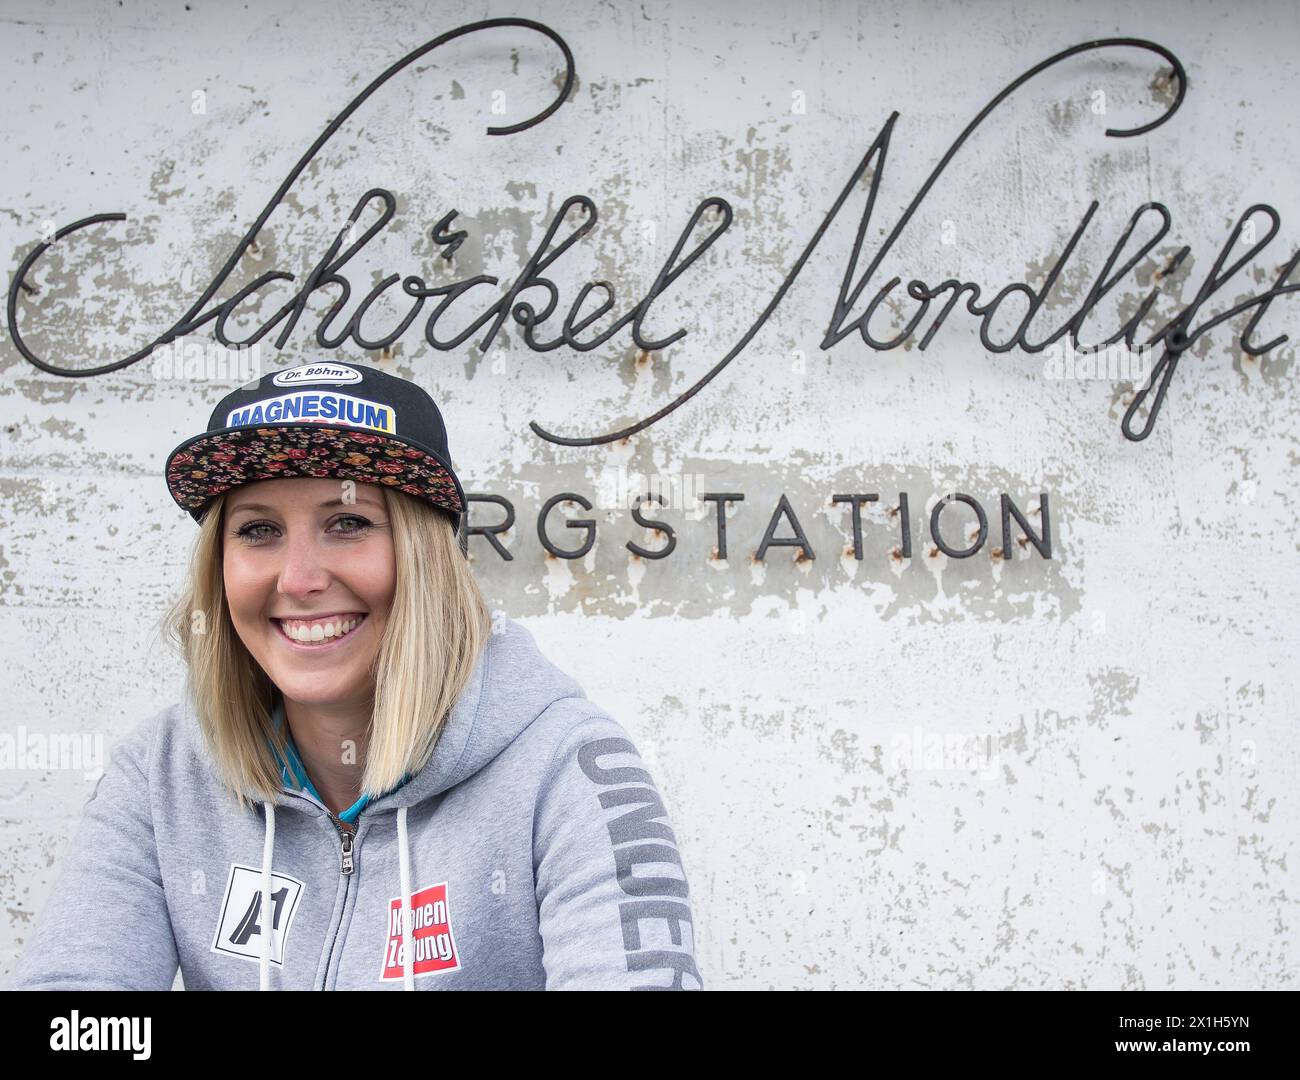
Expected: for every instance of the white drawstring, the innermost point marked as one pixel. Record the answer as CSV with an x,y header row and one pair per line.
x,y
268,850
404,876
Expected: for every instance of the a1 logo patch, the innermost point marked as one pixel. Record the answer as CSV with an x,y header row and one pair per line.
x,y
431,935
239,930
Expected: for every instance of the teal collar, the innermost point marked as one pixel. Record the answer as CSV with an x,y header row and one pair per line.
x,y
294,775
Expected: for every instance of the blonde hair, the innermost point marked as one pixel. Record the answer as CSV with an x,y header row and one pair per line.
x,y
438,624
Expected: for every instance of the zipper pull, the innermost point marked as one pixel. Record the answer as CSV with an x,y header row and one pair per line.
x,y
347,851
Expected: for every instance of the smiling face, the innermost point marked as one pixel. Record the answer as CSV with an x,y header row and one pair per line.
x,y
309,582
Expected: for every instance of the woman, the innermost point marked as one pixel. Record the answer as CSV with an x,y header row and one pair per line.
x,y
367,767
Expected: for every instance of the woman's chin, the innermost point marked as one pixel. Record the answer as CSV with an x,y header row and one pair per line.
x,y
314,687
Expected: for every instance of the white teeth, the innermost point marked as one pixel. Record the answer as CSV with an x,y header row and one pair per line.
x,y
313,632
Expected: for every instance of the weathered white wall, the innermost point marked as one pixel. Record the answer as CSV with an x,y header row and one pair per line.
x,y
1129,816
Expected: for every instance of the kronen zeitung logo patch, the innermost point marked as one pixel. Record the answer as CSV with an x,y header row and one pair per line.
x,y
432,941
316,406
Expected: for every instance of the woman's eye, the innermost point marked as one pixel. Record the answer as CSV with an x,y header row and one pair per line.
x,y
251,532
353,524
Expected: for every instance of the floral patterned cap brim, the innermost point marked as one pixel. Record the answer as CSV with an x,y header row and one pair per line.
x,y
216,461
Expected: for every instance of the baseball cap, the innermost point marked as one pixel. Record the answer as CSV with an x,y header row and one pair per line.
x,y
350,421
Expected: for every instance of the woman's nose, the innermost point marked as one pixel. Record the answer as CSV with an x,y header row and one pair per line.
x,y
304,569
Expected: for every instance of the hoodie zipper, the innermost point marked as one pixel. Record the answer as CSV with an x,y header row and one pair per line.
x,y
345,864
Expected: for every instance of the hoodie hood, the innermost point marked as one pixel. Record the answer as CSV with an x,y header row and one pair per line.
x,y
511,685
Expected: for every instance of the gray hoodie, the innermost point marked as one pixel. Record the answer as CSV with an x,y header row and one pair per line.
x,y
533,851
